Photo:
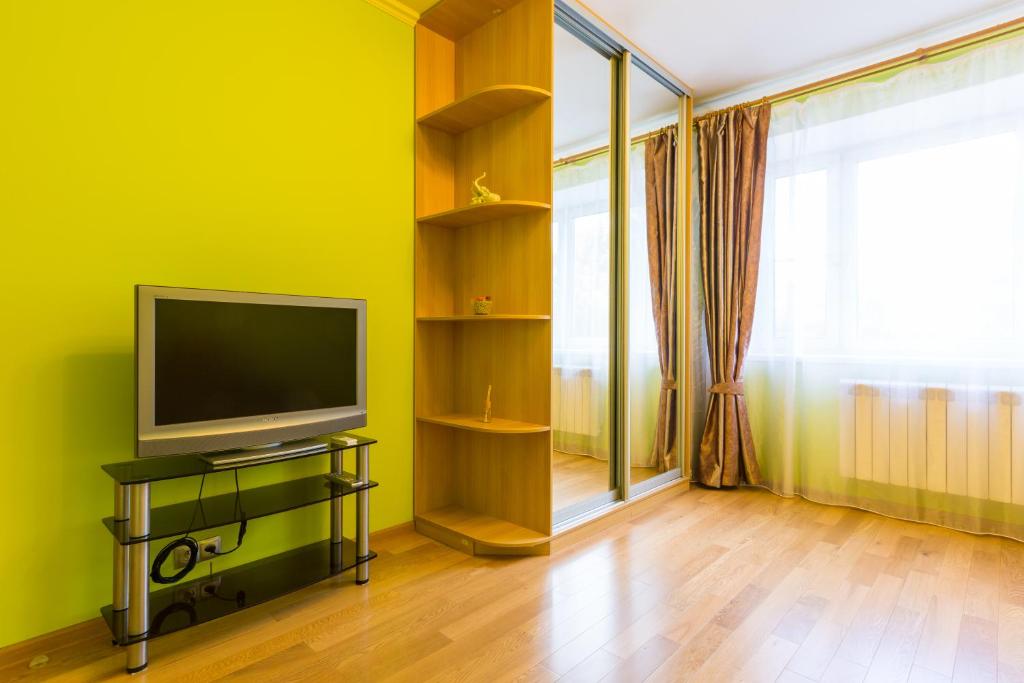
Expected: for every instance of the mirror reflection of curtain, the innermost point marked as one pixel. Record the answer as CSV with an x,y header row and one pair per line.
x,y
661,183
580,327
887,358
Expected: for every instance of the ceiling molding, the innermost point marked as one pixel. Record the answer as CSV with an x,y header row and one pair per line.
x,y
879,53
399,10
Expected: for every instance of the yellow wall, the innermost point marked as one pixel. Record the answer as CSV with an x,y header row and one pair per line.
x,y
257,145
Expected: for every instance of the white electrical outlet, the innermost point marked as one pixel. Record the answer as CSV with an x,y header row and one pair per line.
x,y
208,548
181,555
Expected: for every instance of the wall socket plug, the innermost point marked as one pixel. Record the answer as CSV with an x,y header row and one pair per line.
x,y
208,548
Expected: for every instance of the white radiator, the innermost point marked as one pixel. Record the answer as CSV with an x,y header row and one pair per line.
x,y
573,411
961,439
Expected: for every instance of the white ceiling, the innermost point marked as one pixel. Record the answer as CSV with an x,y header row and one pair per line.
x,y
583,99
725,46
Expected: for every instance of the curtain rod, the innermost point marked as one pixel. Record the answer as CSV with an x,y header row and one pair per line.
x,y
921,54
580,156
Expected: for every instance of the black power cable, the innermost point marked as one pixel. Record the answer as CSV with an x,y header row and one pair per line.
x,y
193,553
192,544
241,526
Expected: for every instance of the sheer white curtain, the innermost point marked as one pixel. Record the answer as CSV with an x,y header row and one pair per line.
x,y
580,328
644,368
887,361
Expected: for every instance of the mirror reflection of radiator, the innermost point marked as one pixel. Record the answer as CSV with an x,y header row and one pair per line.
x,y
965,440
572,406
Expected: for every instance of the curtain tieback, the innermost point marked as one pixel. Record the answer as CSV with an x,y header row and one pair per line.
x,y
732,388
668,385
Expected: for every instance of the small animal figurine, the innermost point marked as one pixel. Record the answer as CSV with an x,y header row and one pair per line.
x,y
481,195
487,405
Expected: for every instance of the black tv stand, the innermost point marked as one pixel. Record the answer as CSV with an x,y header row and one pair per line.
x,y
137,615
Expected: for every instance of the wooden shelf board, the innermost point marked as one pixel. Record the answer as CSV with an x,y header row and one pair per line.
x,y
483,213
478,318
455,18
497,425
483,528
482,106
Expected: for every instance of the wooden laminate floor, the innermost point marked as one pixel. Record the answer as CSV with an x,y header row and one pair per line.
x,y
707,586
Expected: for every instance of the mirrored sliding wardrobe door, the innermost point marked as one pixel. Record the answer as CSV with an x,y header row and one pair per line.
x,y
584,459
653,442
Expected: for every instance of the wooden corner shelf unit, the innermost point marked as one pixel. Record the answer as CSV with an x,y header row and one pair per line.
x,y
483,104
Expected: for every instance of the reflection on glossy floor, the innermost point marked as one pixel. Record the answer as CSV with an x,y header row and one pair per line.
x,y
705,586
575,478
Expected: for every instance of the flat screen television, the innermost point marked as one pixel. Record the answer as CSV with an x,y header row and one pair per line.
x,y
220,371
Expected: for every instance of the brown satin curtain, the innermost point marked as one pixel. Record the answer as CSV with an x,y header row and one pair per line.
x,y
732,147
661,183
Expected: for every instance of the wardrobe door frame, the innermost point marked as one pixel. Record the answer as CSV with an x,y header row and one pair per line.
x,y
682,470
622,56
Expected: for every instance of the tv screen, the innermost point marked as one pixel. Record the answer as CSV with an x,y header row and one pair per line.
x,y
217,360
220,370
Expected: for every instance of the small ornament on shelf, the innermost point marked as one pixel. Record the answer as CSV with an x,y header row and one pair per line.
x,y
482,195
487,405
482,305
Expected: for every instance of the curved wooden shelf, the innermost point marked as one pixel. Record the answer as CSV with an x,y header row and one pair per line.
x,y
483,528
482,106
483,213
478,318
497,425
455,18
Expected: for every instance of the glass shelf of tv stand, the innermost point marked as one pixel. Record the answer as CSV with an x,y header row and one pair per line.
x,y
206,598
143,470
215,511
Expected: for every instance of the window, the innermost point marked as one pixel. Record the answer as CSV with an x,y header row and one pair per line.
x,y
581,251
884,239
888,351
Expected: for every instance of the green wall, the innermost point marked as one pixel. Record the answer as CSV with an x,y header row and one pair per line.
x,y
238,144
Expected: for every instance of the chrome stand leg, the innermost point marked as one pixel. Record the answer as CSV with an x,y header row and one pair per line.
x,y
138,577
121,552
363,514
337,530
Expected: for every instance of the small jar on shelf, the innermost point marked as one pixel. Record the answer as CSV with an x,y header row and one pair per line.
x,y
482,305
